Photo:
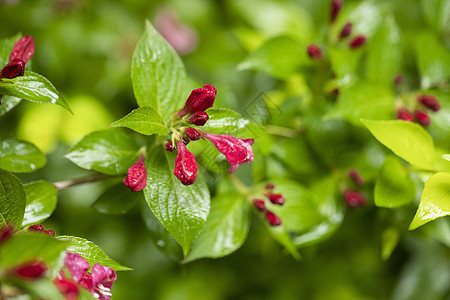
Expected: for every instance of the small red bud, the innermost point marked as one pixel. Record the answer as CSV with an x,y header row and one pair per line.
x,y
67,287
136,178
199,100
23,49
314,51
398,78
199,118
269,186
346,30
259,204
356,177
185,165
31,271
429,101
422,117
354,198
273,219
277,199
336,6
6,232
357,41
193,134
13,69
169,146
40,228
404,114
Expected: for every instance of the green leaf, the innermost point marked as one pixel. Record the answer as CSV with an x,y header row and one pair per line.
x,y
117,200
144,120
406,139
12,199
6,46
280,57
226,228
226,121
20,156
344,62
364,100
110,151
158,74
384,57
8,103
41,202
389,240
33,87
90,252
446,157
281,235
25,247
181,209
393,187
435,201
42,289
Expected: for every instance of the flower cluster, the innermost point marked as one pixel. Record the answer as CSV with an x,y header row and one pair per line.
x,y
237,151
22,51
260,204
420,115
353,197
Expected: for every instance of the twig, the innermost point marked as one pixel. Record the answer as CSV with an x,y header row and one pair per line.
x,y
61,185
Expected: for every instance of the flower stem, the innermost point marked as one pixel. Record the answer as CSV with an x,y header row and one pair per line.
x,y
239,185
61,185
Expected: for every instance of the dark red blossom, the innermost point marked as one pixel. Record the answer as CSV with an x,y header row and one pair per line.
x,y
273,219
199,100
259,204
269,186
199,118
277,199
429,101
67,287
169,146
40,228
336,6
193,134
30,271
185,165
355,177
23,49
354,198
422,117
314,51
346,30
357,41
136,178
404,114
13,69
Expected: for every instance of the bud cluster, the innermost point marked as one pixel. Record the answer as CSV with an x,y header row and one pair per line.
x,y
353,197
40,228
260,205
420,115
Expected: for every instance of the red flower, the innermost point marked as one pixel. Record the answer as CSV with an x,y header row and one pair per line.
x,y
336,6
199,118
13,69
277,199
314,51
192,134
357,41
22,51
259,204
67,287
31,271
429,101
273,219
185,165
354,198
169,146
404,114
346,30
199,100
40,228
422,117
136,178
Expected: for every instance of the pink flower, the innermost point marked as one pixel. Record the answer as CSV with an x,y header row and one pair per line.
x,y
67,287
199,100
237,151
136,178
185,165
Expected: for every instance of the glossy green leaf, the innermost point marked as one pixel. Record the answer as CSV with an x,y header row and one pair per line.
x,y
117,199
110,151
181,209
384,57
406,139
280,57
282,236
435,201
389,241
25,247
393,187
446,157
364,100
158,74
20,156
90,252
8,103
41,202
33,87
226,121
144,120
12,199
226,228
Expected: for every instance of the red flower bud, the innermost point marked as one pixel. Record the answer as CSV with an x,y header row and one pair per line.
x,y
356,177
422,117
398,78
336,6
185,165
23,49
269,186
346,30
169,146
273,219
354,199
314,51
404,114
429,101
193,134
5,232
259,204
199,100
277,199
40,228
199,118
357,41
136,178
32,270
67,287
13,69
